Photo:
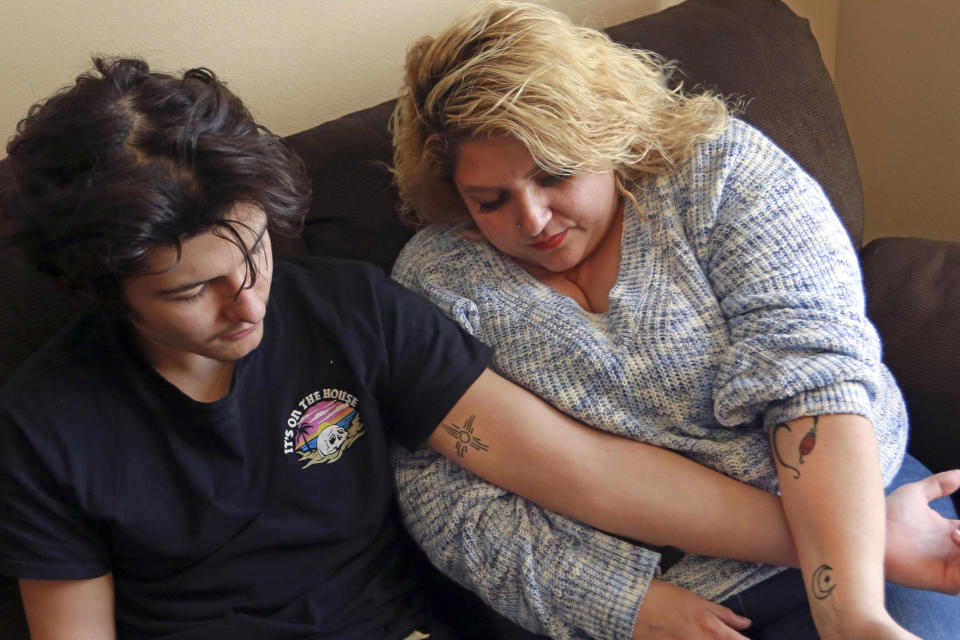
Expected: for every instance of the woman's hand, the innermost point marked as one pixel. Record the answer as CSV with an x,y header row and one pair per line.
x,y
669,612
923,547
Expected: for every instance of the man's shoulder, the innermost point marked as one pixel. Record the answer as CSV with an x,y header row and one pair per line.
x,y
79,356
311,271
333,287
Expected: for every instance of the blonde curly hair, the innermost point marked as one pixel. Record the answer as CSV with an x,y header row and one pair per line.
x,y
579,102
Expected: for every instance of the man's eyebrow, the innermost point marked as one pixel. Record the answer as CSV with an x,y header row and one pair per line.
x,y
181,288
192,285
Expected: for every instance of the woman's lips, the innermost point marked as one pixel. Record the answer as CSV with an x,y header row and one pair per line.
x,y
550,243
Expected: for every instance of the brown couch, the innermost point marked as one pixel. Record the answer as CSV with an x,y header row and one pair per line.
x,y
754,49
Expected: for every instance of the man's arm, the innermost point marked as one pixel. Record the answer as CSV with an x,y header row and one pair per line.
x,y
517,441
69,609
642,492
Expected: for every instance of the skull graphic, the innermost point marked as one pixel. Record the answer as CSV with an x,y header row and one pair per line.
x,y
330,439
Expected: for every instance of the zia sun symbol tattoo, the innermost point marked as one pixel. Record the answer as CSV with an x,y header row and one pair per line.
x,y
804,449
464,437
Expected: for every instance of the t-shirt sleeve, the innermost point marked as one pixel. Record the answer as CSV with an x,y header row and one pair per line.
x,y
430,363
42,532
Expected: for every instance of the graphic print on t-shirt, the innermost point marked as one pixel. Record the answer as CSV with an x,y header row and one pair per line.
x,y
323,426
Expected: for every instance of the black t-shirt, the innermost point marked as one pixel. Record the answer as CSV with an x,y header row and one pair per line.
x,y
266,514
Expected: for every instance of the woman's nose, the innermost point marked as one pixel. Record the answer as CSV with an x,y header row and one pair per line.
x,y
534,214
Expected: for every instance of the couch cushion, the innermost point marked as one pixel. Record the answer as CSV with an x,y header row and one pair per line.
x,y
354,208
762,52
913,296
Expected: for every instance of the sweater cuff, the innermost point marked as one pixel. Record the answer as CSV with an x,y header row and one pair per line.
x,y
606,590
842,397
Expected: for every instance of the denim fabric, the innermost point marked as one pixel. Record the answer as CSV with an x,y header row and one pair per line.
x,y
778,606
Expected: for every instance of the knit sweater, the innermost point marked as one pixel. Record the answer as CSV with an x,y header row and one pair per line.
x,y
738,305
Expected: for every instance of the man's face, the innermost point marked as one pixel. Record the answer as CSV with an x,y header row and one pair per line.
x,y
202,311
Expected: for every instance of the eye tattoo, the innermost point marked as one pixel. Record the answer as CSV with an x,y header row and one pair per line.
x,y
821,583
809,440
464,437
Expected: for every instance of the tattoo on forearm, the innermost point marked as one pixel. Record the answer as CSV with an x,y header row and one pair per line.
x,y
464,437
809,440
776,450
822,584
805,448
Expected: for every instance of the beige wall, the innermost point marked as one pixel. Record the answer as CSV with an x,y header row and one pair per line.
x,y
296,63
898,76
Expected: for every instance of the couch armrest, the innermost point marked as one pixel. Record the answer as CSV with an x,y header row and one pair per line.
x,y
913,297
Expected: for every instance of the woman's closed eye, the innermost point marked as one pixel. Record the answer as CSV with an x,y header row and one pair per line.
x,y
492,205
552,180
543,180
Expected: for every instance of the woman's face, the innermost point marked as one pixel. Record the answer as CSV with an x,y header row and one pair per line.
x,y
537,218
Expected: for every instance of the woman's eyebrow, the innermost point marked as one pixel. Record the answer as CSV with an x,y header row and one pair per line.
x,y
480,188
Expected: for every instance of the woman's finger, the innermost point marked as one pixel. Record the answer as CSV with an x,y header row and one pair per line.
x,y
731,619
940,485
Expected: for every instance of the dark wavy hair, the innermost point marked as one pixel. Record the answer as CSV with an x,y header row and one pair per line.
x,y
127,159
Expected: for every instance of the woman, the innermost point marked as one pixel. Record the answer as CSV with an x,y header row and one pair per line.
x,y
658,269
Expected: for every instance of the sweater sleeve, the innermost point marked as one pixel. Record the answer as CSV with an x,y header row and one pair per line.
x,y
545,572
789,284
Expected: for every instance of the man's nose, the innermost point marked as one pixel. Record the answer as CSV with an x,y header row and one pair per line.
x,y
245,303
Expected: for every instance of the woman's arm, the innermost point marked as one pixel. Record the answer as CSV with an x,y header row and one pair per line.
x,y
788,282
548,573
830,478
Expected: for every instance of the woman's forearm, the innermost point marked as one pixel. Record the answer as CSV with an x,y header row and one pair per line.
x,y
832,491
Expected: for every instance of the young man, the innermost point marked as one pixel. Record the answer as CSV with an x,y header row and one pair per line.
x,y
207,456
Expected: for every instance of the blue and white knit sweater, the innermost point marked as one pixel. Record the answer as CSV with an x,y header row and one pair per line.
x,y
739,304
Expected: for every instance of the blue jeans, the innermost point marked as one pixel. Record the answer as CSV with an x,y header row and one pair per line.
x,y
779,610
